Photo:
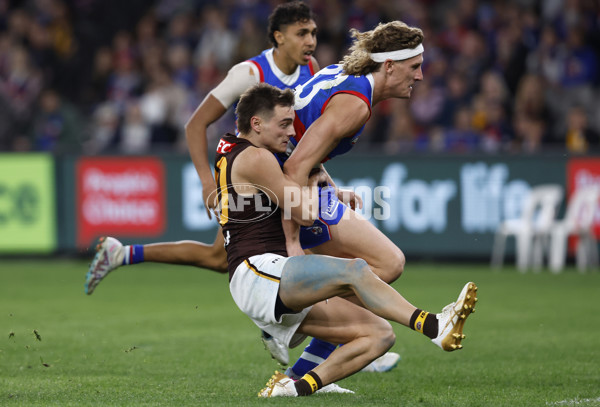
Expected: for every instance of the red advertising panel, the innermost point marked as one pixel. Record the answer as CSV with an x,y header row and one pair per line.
x,y
583,172
119,196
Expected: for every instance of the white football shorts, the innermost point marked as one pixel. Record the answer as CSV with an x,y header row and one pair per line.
x,y
254,289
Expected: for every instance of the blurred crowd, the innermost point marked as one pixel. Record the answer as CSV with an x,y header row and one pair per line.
x,y
101,76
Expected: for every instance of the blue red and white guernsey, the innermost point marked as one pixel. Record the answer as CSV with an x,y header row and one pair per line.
x,y
313,96
311,99
269,73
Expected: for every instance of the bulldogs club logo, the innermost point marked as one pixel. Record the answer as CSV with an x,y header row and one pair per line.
x,y
316,230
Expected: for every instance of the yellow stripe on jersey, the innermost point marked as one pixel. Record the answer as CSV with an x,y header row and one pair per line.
x,y
260,273
224,204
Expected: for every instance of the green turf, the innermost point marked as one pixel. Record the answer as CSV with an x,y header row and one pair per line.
x,y
171,336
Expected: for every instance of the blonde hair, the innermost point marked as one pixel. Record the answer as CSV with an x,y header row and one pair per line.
x,y
391,36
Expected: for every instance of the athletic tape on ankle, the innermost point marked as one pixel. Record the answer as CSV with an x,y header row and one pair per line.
x,y
420,322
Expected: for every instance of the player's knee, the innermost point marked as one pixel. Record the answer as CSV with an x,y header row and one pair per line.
x,y
387,337
358,269
395,267
382,337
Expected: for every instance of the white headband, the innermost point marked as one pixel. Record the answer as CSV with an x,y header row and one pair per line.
x,y
399,55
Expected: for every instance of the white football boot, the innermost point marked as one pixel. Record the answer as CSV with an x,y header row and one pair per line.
x,y
279,385
452,319
333,388
109,256
277,349
384,363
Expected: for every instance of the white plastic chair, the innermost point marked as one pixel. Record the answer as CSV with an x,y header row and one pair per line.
x,y
531,230
578,221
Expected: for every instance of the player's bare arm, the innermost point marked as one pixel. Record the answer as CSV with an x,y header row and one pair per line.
x,y
208,112
259,167
344,115
213,107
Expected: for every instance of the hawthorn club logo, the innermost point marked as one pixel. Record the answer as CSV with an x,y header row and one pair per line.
x,y
242,203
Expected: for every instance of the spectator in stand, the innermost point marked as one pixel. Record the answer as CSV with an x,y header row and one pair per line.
x,y
20,86
179,60
426,104
461,137
511,51
456,97
254,40
454,33
42,53
147,37
529,134
471,59
402,135
57,125
530,98
544,60
493,88
490,115
136,135
180,31
161,105
579,136
105,129
97,87
580,69
217,42
125,82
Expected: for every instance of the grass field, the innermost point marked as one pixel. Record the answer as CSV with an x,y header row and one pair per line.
x,y
154,335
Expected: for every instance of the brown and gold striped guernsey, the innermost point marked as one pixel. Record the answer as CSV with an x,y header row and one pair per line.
x,y
251,223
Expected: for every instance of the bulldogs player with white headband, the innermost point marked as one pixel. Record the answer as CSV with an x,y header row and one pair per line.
x,y
331,111
398,55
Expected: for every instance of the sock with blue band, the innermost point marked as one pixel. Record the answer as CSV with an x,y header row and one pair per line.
x,y
314,354
133,254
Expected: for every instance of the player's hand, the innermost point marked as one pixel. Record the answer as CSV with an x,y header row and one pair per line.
x,y
317,179
209,196
350,198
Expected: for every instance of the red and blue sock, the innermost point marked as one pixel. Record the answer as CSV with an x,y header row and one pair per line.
x,y
133,254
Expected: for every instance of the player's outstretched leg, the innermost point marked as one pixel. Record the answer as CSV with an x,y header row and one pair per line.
x,y
452,319
109,256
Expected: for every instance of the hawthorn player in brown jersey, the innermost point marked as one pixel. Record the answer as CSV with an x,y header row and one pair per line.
x,y
292,297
